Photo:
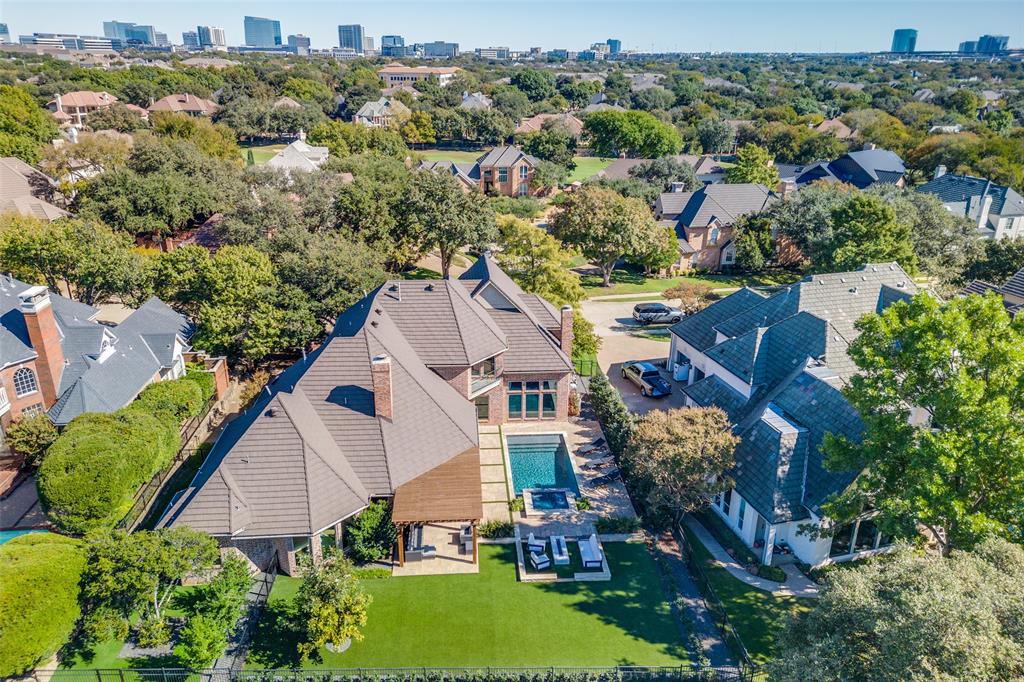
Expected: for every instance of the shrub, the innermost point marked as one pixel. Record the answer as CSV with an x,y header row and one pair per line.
x,y
616,420
30,437
518,504
151,632
497,529
181,398
39,576
371,573
617,524
582,503
223,598
521,207
201,642
205,380
372,534
91,472
330,606
251,388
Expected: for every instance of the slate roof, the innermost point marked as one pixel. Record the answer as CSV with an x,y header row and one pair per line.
x,y
505,156
956,191
467,173
861,169
791,348
185,103
299,156
313,450
1015,285
724,203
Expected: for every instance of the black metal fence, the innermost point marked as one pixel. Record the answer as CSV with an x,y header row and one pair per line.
x,y
148,492
682,673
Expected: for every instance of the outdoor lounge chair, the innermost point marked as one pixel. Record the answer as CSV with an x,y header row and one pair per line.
x,y
596,444
598,463
602,481
590,552
535,545
539,561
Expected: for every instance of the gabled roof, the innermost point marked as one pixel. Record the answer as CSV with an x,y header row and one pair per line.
x,y
475,100
25,190
535,123
505,156
84,98
385,106
299,156
834,126
185,103
724,202
466,173
698,329
868,166
285,102
956,191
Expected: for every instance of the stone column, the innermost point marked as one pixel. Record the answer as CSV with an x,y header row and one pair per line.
x,y
316,549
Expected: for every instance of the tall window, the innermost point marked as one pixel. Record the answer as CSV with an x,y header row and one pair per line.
x,y
25,382
503,175
841,541
532,399
726,501
713,237
742,513
482,374
524,172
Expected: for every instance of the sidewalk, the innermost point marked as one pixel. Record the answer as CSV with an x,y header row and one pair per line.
x,y
796,585
690,599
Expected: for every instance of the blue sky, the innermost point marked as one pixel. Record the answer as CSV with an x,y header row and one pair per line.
x,y
680,25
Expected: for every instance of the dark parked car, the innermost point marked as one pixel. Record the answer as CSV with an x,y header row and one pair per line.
x,y
646,376
655,313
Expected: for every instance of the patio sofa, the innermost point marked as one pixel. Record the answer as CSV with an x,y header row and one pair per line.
x,y
415,550
590,552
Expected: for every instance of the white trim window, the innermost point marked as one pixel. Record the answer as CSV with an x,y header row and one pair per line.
x,y
25,382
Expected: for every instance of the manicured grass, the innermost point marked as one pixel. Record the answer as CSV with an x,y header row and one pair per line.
x,y
421,273
588,166
492,619
625,281
653,334
263,153
755,615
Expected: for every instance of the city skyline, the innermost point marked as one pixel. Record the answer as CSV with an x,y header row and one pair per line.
x,y
794,26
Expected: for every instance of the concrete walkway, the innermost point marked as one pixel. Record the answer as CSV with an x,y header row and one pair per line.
x,y
493,482
690,600
796,585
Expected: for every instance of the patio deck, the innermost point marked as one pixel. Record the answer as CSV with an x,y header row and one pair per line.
x,y
450,558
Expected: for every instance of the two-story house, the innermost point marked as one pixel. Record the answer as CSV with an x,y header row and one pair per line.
x,y
73,108
504,170
381,113
703,221
185,103
387,408
996,210
861,169
776,363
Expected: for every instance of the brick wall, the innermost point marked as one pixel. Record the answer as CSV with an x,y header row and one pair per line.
x,y
456,377
561,397
19,404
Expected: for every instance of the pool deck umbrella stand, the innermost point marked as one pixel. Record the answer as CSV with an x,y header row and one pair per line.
x,y
447,494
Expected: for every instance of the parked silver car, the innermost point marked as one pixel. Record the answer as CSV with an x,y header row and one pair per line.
x,y
656,313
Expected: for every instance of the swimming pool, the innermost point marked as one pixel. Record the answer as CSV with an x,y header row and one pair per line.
x,y
540,461
6,535
548,500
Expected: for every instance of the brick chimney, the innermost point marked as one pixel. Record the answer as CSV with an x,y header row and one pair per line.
x,y
45,338
565,333
380,368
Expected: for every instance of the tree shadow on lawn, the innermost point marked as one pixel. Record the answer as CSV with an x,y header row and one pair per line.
x,y
275,641
633,601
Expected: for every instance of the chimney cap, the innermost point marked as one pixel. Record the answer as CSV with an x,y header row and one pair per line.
x,y
566,308
382,359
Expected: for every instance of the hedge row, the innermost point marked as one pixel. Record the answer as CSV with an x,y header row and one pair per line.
x,y
39,575
616,419
90,475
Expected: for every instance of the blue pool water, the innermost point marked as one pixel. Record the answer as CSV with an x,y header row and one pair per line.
x,y
546,501
6,535
540,461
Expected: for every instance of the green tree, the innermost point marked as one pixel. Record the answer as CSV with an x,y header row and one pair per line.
x,y
512,102
126,574
865,230
661,250
617,86
535,84
652,99
30,435
753,164
419,129
449,217
24,126
372,534
678,459
547,175
999,261
537,261
806,216
755,246
665,172
715,136
604,226
553,142
215,140
963,101
633,133
40,575
912,617
943,444
692,296
117,117
201,642
1000,121
330,606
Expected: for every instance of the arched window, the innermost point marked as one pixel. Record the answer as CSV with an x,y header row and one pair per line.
x,y
714,235
25,382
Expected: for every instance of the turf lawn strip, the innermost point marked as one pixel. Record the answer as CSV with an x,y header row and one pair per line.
x,y
492,619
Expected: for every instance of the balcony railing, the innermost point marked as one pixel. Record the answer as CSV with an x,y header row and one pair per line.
x,y
480,382
5,403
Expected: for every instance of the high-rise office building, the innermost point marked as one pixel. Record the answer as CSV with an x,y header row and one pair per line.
x,y
439,48
260,32
989,44
367,44
5,34
392,41
904,40
350,36
212,37
130,33
161,39
493,52
298,40
968,46
614,45
190,39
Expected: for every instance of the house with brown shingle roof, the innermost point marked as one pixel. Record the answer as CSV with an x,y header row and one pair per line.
x,y
506,170
26,191
533,124
73,108
185,103
387,408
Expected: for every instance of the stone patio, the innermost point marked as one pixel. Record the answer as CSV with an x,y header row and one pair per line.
x,y
450,556
492,475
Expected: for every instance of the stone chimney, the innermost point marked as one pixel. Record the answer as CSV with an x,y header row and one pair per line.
x,y
565,333
380,368
787,187
940,170
45,338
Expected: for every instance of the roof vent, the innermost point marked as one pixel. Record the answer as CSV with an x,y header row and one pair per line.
x,y
271,412
843,280
374,323
821,282
902,284
378,310
892,268
863,278
853,290
430,287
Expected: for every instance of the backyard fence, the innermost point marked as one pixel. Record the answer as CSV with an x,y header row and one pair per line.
x,y
586,367
148,492
712,601
683,673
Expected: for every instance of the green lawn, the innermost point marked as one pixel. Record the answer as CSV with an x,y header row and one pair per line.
x,y
755,614
262,153
626,281
586,166
492,619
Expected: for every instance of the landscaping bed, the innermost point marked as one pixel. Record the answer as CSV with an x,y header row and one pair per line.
x,y
490,618
732,544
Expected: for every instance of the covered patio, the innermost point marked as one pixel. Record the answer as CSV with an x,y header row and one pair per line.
x,y
437,515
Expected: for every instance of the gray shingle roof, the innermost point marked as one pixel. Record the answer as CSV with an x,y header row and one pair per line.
x,y
1015,285
723,202
713,392
698,329
505,156
955,190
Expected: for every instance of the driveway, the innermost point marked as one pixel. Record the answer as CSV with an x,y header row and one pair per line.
x,y
613,322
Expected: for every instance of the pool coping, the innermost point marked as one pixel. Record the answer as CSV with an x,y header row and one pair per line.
x,y
530,510
508,465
